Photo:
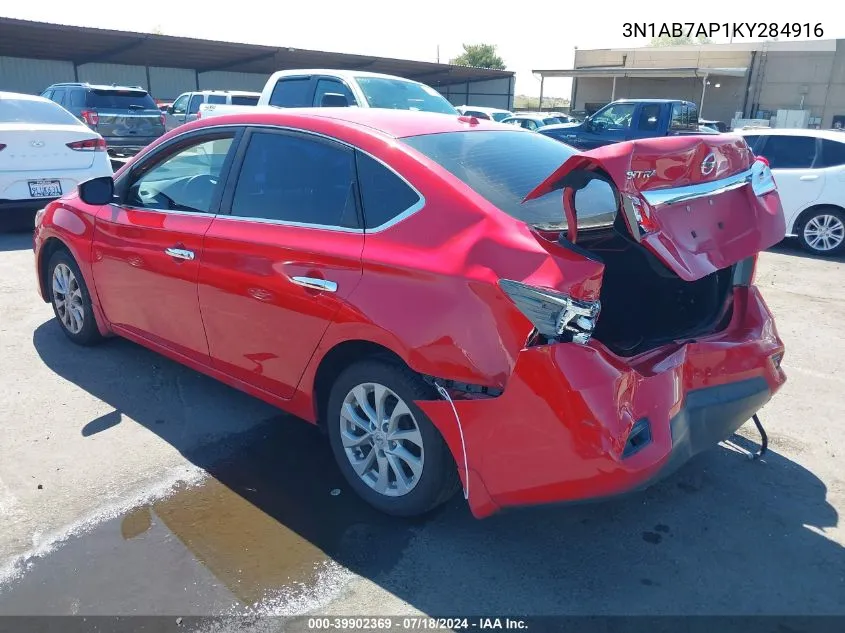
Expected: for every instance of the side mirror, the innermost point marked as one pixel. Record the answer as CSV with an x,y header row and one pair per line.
x,y
170,109
334,100
97,191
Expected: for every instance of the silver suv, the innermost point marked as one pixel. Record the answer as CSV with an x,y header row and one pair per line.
x,y
127,117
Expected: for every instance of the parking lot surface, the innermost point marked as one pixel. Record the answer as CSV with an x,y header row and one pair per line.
x,y
132,485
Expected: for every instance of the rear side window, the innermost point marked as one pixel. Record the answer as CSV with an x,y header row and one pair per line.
x,y
503,166
244,100
59,95
789,152
684,117
217,99
34,111
77,98
120,99
833,154
297,179
384,194
332,86
649,117
292,93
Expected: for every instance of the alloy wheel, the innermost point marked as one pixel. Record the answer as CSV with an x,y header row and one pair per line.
x,y
382,439
67,297
824,232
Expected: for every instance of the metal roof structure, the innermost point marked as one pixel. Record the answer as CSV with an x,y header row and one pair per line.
x,y
628,71
83,45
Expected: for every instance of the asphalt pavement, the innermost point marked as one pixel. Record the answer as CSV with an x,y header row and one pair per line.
x,y
131,485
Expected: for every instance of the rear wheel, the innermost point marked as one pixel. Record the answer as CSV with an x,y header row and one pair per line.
x,y
389,451
70,299
822,232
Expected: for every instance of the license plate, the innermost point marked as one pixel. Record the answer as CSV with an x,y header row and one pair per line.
x,y
45,188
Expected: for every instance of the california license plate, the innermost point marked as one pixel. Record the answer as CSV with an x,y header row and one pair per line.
x,y
45,188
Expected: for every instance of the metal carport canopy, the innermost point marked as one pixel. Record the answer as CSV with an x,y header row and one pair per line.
x,y
82,45
619,71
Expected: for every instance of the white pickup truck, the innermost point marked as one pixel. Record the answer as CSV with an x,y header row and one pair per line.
x,y
340,88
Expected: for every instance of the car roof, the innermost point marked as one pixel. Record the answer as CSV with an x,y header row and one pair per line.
x,y
650,101
344,74
394,123
19,96
482,108
828,134
225,92
75,84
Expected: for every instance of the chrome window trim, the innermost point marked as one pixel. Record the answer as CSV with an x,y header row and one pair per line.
x,y
414,208
175,140
333,227
759,176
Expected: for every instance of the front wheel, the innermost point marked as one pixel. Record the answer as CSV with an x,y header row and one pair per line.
x,y
70,299
387,449
823,232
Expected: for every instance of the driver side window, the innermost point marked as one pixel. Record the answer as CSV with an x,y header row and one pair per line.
x,y
181,104
615,117
185,180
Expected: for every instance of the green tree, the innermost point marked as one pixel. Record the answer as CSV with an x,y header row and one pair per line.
x,y
685,40
480,56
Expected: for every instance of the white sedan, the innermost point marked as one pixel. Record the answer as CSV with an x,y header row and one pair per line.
x,y
45,152
809,169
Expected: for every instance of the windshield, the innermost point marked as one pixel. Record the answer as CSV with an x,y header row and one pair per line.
x,y
400,94
503,167
501,116
120,99
34,111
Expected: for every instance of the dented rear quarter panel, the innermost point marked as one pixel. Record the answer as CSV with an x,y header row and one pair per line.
x,y
429,290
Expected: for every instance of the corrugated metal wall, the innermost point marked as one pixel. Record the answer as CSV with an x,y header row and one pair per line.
x,y
492,93
168,83
113,74
32,76
225,80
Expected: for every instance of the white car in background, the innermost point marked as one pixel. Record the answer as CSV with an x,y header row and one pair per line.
x,y
809,169
491,114
45,152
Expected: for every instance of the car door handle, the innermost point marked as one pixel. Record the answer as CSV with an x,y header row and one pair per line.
x,y
315,284
180,253
809,177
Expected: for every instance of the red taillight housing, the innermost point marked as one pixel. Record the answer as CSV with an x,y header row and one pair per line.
x,y
89,145
161,117
90,117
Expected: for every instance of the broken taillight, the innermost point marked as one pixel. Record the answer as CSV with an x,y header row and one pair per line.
x,y
556,316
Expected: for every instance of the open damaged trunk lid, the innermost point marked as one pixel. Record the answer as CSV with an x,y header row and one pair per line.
x,y
699,204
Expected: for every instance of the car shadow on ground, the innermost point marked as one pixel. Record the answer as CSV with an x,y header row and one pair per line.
x,y
723,535
790,246
15,241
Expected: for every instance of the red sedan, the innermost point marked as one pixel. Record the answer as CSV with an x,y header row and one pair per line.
x,y
459,304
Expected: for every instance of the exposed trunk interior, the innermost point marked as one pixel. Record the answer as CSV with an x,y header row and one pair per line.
x,y
644,304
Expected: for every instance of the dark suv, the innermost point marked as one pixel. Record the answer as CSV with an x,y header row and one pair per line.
x,y
127,117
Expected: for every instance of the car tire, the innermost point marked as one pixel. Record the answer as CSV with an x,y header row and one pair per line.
x,y
70,299
822,232
428,472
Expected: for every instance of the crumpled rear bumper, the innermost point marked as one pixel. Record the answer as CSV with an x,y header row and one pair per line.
x,y
560,431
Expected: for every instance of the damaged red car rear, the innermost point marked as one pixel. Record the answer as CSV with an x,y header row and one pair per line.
x,y
465,305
